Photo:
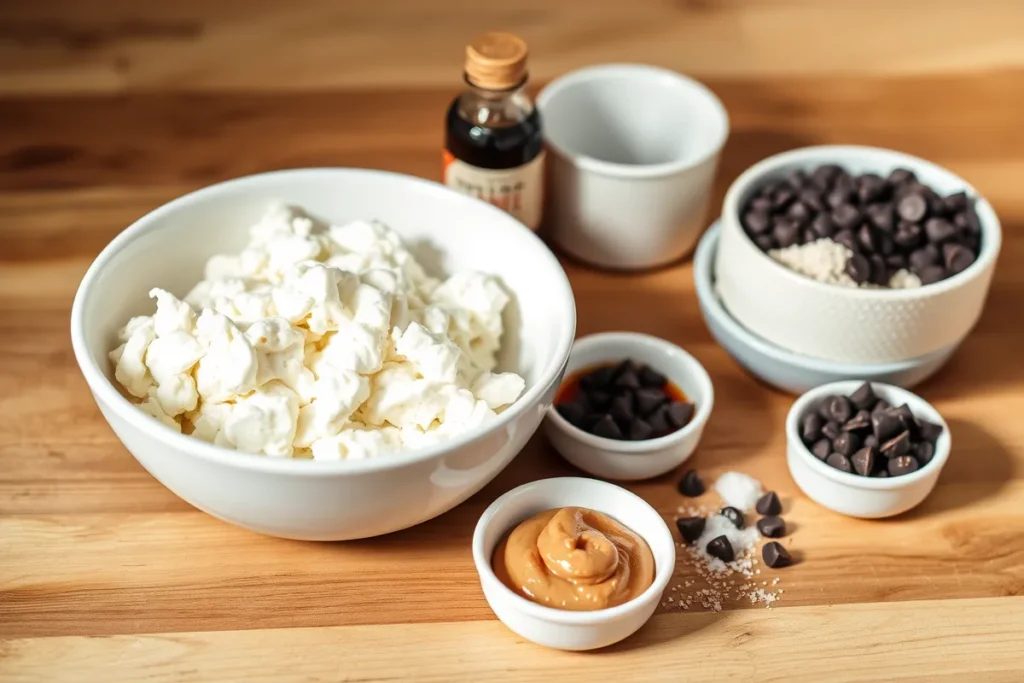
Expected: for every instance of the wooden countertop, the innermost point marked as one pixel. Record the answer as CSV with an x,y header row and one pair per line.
x,y
108,109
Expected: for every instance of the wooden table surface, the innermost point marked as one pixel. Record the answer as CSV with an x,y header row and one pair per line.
x,y
109,108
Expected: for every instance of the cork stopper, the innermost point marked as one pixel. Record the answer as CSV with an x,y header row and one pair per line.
x,y
496,61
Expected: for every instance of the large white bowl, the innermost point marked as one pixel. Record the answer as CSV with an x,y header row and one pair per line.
x,y
306,499
849,324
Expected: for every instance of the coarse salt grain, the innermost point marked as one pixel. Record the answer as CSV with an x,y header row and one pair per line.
x,y
743,542
738,490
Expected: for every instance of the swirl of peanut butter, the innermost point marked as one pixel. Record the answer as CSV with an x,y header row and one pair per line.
x,y
574,559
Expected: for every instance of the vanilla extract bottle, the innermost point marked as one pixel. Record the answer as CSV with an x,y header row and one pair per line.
x,y
493,145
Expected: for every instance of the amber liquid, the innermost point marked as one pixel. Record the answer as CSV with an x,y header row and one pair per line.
x,y
493,147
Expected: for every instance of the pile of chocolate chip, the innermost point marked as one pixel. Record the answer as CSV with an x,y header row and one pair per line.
x,y
627,401
862,434
889,224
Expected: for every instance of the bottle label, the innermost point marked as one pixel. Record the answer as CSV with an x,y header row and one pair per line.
x,y
519,190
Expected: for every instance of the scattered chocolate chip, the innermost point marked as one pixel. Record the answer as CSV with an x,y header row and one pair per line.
x,y
863,461
885,425
810,427
651,378
904,464
679,413
607,428
864,398
721,548
861,422
639,430
733,515
648,400
691,485
772,527
775,556
821,449
846,443
768,504
690,528
831,429
839,461
929,431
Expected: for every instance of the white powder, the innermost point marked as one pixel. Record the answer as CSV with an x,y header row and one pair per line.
x,y
825,261
743,542
738,490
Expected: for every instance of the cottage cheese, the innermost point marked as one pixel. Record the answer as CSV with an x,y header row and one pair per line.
x,y
329,342
825,261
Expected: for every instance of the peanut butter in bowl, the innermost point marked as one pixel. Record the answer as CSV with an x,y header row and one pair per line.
x,y
574,558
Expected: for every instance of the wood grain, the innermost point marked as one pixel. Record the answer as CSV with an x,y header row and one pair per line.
x,y
110,108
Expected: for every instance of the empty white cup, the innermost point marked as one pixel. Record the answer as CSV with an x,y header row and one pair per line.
x,y
633,151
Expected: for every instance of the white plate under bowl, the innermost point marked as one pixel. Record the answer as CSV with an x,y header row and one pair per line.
x,y
792,372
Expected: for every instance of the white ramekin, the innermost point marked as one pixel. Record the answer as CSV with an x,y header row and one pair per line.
x,y
852,494
849,324
564,629
634,460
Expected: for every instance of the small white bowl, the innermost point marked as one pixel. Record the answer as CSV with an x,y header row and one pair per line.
x,y
852,494
564,629
849,324
634,460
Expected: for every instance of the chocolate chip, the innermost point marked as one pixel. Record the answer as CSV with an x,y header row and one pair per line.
x,y
896,261
907,420
931,275
797,178
607,428
765,242
648,400
810,427
786,232
908,235
808,235
627,379
572,412
847,239
812,198
831,429
885,425
679,413
721,548
691,485
882,216
838,197
690,528
639,430
824,176
823,225
871,441
600,400
956,202
972,221
861,422
867,239
939,230
881,406
839,461
900,176
919,259
864,397
957,257
879,271
846,443
863,461
622,409
904,464
782,199
821,449
659,420
912,207
840,409
799,213
768,504
651,379
929,431
775,556
923,452
846,216
772,527
881,474
757,222
896,446
870,188
733,515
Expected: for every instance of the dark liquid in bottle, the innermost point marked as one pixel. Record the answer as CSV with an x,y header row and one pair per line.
x,y
496,148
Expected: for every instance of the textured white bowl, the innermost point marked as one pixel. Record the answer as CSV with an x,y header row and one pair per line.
x,y
849,324
563,629
793,372
306,499
852,494
634,460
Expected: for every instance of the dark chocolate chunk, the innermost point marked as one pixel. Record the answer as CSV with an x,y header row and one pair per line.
x,y
733,515
939,230
885,425
863,461
896,446
923,452
957,258
721,548
757,222
649,400
799,213
908,235
870,188
846,216
679,413
823,225
768,504
864,398
900,176
882,216
931,275
622,409
690,528
782,199
824,176
572,412
607,428
627,379
880,407
858,267
904,464
775,556
691,485
846,443
847,239
772,526
840,409
810,427
839,461
651,378
956,202
797,178
821,449
659,420
639,430
786,232
929,431
812,198
838,197
831,429
861,422
912,207
907,420
600,399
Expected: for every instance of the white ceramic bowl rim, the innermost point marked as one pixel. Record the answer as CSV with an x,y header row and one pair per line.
x,y
662,575
800,407
611,168
703,262
98,382
700,416
991,231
